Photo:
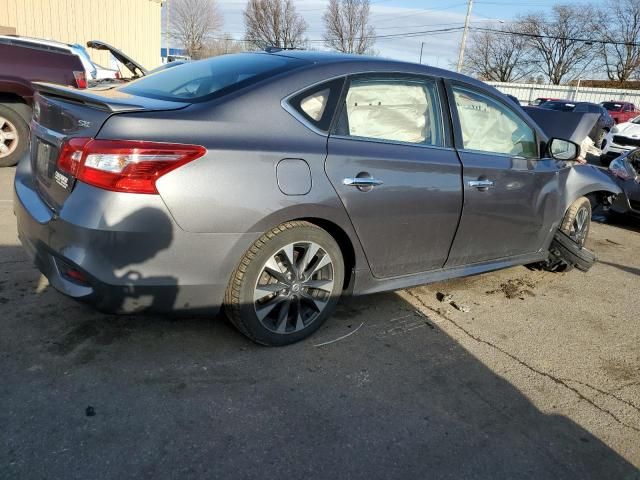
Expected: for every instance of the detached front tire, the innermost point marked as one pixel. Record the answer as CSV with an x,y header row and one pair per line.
x,y
14,137
286,285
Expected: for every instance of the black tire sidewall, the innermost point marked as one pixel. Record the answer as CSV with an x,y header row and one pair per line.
x,y
571,213
23,136
299,233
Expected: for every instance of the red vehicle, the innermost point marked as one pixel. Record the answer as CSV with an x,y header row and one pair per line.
x,y
621,112
24,60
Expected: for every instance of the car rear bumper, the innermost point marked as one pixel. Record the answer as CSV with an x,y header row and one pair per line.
x,y
128,248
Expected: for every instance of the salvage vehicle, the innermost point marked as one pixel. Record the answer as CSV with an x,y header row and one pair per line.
x,y
600,129
275,183
622,138
626,171
621,112
24,60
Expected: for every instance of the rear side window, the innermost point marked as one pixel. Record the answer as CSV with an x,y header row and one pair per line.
x,y
318,104
206,79
396,110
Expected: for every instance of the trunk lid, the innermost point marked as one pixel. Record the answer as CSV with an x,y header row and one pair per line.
x,y
62,113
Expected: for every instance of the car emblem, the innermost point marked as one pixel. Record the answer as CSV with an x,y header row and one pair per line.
x,y
84,123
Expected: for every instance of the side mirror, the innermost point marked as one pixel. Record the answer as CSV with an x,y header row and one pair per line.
x,y
560,149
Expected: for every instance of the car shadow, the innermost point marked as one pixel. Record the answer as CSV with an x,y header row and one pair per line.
x,y
86,394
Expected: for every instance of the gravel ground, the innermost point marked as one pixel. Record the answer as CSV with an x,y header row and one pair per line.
x,y
540,378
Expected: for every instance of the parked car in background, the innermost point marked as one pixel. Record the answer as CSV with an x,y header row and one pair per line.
x,y
513,98
600,129
626,171
622,138
540,100
621,112
24,60
274,183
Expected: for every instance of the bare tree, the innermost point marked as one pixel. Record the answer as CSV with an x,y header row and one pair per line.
x,y
193,22
619,23
499,56
273,23
557,40
347,26
222,46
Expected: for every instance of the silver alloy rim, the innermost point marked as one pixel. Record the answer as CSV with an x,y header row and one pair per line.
x,y
579,226
8,137
294,287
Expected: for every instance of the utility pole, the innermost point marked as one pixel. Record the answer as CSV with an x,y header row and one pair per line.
x,y
464,35
421,47
166,4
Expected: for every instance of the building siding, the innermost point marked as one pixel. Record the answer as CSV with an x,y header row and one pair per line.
x,y
132,26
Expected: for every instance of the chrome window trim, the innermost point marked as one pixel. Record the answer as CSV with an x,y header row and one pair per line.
x,y
392,142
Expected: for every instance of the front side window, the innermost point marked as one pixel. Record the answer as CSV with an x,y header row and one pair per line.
x,y
490,126
406,111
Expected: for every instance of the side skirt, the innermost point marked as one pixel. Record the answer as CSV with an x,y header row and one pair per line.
x,y
365,283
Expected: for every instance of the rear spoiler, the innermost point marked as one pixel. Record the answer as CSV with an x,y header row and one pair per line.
x,y
109,100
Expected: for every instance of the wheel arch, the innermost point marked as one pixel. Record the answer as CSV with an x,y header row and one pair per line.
x,y
588,181
16,103
344,242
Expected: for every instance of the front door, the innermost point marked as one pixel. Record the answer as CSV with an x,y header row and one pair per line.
x,y
398,177
510,193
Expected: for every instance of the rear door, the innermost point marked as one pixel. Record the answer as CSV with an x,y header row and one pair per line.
x,y
510,194
391,161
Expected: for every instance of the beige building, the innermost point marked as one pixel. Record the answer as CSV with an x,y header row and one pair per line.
x,y
132,26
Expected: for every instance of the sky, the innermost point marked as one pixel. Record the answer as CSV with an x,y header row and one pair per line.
x,y
402,16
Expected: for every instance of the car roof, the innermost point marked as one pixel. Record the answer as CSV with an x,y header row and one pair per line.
x,y
39,41
371,62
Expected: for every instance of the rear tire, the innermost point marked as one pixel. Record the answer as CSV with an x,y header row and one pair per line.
x,y
287,284
14,137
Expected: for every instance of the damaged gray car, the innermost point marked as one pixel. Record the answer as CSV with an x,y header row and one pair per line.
x,y
274,183
626,171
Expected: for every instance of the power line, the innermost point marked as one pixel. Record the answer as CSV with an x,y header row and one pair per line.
x,y
572,39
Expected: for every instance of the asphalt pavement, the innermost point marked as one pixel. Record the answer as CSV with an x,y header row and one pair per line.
x,y
540,378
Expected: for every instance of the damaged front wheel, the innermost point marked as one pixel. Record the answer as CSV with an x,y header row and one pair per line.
x,y
567,247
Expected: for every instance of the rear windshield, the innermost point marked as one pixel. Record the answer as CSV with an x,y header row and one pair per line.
x,y
612,106
206,79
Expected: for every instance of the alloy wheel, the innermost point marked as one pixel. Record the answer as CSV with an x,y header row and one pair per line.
x,y
8,137
294,287
580,226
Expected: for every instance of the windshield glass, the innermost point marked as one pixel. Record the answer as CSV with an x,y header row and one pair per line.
x,y
612,106
561,106
206,79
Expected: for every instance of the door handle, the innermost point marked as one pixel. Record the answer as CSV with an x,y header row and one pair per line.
x,y
480,183
362,182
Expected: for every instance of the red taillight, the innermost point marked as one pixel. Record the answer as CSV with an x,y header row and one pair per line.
x,y
124,165
81,79
71,155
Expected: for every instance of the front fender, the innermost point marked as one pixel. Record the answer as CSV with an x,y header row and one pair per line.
x,y
582,180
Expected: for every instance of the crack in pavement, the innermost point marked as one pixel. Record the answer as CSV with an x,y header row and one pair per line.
x,y
604,392
554,379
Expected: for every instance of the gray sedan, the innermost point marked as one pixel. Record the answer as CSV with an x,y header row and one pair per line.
x,y
274,183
